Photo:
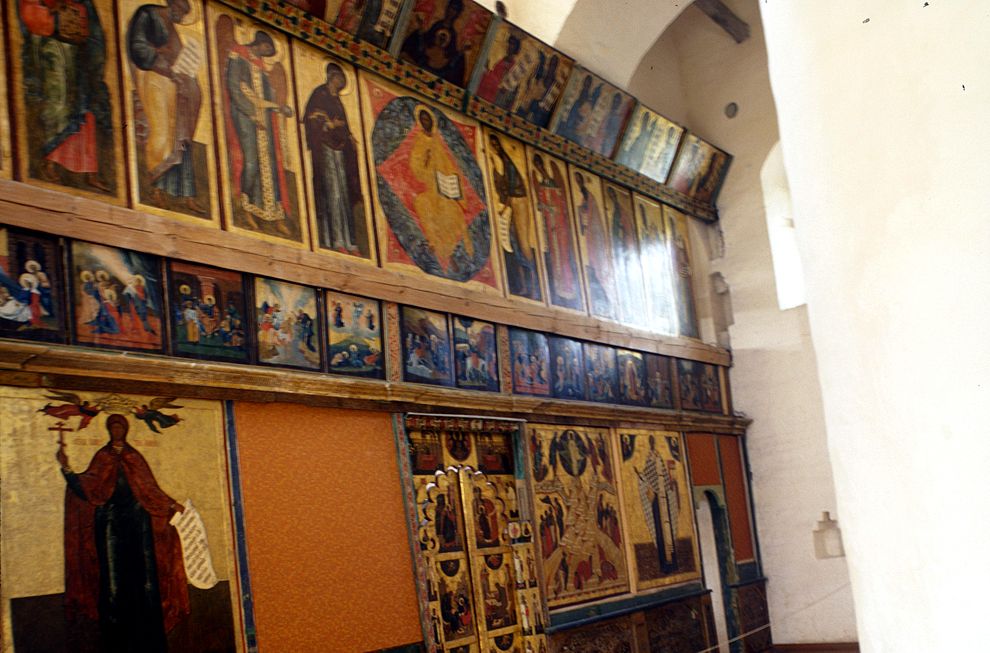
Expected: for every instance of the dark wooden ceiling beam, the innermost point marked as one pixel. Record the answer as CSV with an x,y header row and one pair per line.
x,y
725,18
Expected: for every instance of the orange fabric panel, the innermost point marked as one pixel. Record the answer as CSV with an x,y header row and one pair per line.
x,y
326,534
736,497
703,459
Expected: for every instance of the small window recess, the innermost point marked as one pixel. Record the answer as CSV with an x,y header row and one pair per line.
x,y
787,268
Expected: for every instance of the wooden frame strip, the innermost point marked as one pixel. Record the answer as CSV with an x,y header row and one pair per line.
x,y
41,365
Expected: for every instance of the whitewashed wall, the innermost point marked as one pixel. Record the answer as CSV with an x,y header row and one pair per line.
x,y
883,109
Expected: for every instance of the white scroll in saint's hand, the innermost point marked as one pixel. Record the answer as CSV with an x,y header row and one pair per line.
x,y
195,548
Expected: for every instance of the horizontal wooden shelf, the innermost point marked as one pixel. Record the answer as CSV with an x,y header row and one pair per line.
x,y
26,206
59,366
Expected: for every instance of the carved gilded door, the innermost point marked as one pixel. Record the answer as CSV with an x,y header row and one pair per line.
x,y
477,550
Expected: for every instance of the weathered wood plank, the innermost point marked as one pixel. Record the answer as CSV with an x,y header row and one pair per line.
x,y
725,18
38,365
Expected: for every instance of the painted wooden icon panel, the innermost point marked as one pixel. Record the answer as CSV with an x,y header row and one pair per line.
x,y
426,351
67,97
316,8
601,376
32,292
333,154
545,87
492,518
614,636
625,255
6,154
654,253
566,368
208,312
660,380
288,324
257,133
577,513
331,9
683,275
354,328
116,298
699,169
167,106
443,37
465,486
373,22
515,221
450,613
557,230
165,533
430,200
475,354
688,622
520,74
530,362
650,143
595,241
592,112
700,386
632,384
657,500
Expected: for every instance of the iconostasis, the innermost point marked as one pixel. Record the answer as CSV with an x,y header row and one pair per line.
x,y
244,245
264,131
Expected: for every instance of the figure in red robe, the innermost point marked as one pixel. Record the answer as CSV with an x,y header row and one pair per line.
x,y
66,96
123,560
560,256
495,86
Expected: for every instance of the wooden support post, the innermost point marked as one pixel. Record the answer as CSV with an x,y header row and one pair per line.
x,y
736,27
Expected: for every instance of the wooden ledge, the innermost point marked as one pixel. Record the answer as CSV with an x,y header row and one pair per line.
x,y
29,207
58,366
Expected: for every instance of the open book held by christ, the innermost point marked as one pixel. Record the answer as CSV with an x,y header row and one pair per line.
x,y
449,185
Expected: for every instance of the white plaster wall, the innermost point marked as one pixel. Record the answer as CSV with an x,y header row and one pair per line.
x,y
610,37
657,79
883,126
774,377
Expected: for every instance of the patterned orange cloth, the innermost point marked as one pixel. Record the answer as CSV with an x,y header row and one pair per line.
x,y
326,537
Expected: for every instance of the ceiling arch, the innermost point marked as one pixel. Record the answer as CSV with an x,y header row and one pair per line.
x,y
610,37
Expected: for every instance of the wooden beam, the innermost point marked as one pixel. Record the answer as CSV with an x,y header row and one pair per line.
x,y
725,18
74,368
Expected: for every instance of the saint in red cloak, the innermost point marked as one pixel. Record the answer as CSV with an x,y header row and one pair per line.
x,y
123,560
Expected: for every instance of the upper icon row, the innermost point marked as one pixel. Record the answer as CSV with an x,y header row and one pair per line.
x,y
302,149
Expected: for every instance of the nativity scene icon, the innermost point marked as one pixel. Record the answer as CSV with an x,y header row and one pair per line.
x,y
131,550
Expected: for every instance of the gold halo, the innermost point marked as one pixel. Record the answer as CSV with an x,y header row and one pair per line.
x,y
31,263
209,299
348,85
102,275
184,289
111,295
194,14
85,276
138,277
422,108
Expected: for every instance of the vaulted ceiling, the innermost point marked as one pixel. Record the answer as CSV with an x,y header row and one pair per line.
x,y
609,37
